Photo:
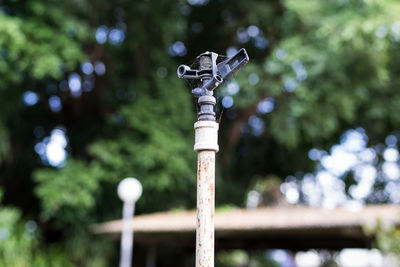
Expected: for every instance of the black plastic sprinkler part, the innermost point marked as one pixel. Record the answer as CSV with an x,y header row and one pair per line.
x,y
211,75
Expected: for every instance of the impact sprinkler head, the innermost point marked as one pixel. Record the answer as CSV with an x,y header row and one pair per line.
x,y
210,75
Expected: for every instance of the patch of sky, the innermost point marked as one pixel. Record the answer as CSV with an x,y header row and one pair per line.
x,y
266,105
30,98
290,85
87,68
391,140
177,49
307,258
253,199
260,42
227,101
354,140
101,34
352,155
365,175
52,149
75,85
391,170
316,154
282,257
99,68
242,35
391,154
281,54
253,31
4,233
300,70
291,192
332,189
55,103
395,28
339,161
231,51
232,87
381,32
253,79
393,189
197,2
367,155
116,36
311,190
257,125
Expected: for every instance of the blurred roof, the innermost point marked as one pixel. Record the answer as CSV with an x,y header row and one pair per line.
x,y
281,227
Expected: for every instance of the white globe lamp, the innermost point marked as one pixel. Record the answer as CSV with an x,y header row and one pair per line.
x,y
130,190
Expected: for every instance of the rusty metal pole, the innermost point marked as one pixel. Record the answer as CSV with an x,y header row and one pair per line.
x,y
206,145
210,75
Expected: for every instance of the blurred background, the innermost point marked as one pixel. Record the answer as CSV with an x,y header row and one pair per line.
x,y
89,95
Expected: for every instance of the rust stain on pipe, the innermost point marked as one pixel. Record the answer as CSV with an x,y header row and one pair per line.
x,y
205,209
206,145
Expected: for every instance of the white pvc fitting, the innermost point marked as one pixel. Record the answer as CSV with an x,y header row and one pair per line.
x,y
206,136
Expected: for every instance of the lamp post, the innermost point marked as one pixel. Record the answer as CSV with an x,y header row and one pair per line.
x,y
129,191
213,70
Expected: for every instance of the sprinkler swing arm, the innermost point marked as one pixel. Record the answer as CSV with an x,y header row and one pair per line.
x,y
216,73
210,74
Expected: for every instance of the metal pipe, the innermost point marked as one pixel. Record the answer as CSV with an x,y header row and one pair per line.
x,y
211,75
206,145
129,191
151,256
127,235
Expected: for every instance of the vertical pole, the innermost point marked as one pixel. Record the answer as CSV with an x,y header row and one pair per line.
x,y
210,75
151,256
127,235
206,145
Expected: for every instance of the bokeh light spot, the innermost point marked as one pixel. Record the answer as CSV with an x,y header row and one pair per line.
x,y
381,32
101,34
87,68
100,68
253,31
116,36
74,83
266,105
177,49
227,101
55,103
253,79
280,54
232,87
30,98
